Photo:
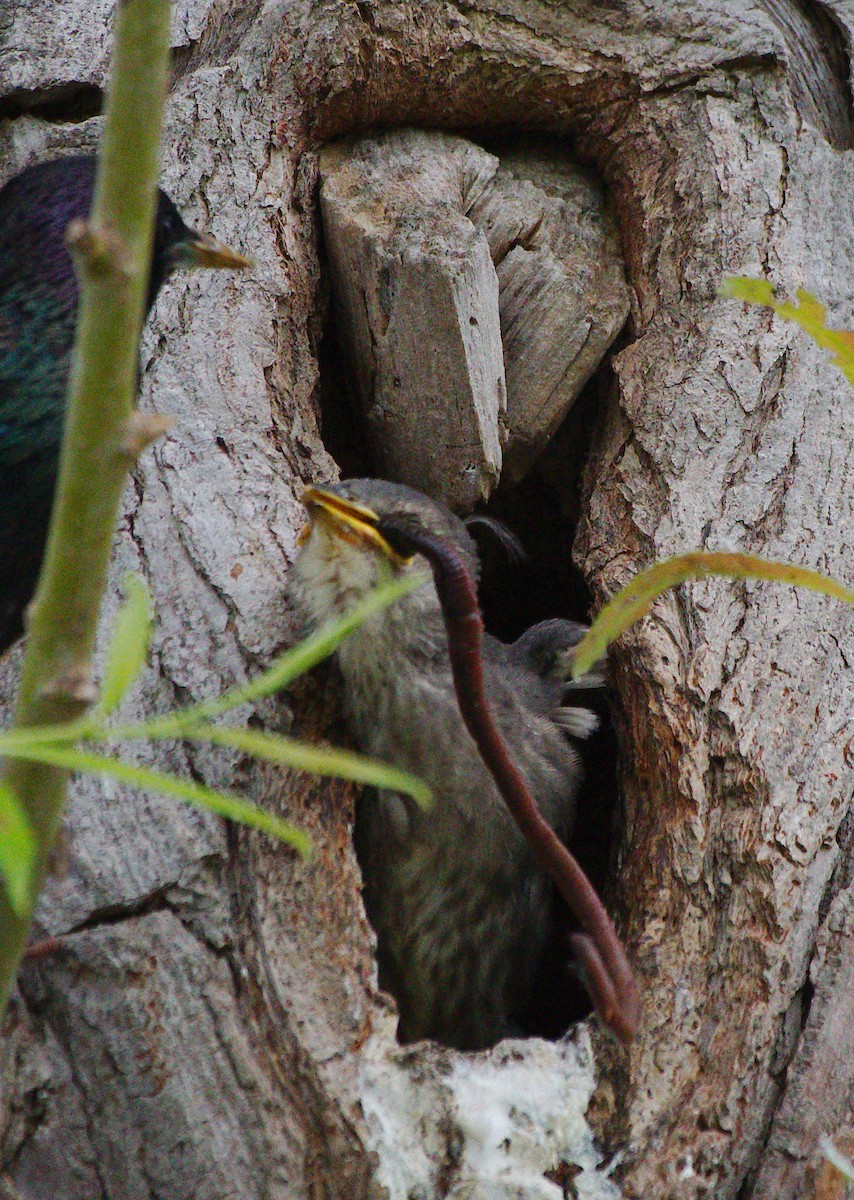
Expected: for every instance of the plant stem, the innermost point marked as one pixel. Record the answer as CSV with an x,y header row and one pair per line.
x,y
113,253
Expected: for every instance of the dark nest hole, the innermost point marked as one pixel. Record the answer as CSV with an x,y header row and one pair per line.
x,y
62,104
542,511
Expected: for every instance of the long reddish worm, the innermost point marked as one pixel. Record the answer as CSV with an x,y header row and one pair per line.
x,y
608,974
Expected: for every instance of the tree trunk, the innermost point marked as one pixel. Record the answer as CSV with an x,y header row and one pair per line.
x,y
212,1025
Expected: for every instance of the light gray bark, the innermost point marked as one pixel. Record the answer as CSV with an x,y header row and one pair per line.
x,y
213,1027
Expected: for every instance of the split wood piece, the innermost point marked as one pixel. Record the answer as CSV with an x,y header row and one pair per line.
x,y
562,291
417,305
438,250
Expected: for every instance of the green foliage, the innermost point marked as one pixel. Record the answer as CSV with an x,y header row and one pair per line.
x,y
808,313
17,851
128,647
60,745
221,803
633,601
301,756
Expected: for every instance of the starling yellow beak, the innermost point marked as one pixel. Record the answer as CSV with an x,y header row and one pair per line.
x,y
460,907
354,522
202,250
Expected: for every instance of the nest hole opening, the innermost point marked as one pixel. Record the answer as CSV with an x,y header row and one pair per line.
x,y
542,510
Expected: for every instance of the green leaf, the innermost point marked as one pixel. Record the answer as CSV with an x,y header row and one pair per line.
x,y
633,601
307,654
17,851
809,313
17,739
129,643
312,650
224,804
318,760
751,291
320,645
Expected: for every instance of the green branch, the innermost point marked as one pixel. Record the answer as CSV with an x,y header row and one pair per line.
x,y
112,253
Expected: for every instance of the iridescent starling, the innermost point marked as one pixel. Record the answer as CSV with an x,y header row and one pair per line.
x,y
38,306
460,908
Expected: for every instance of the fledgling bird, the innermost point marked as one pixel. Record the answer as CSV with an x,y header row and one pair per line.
x,y
38,308
460,908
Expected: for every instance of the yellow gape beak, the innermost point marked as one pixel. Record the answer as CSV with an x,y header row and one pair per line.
x,y
205,251
353,522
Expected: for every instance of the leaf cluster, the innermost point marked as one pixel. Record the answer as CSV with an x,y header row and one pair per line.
x,y
67,746
634,600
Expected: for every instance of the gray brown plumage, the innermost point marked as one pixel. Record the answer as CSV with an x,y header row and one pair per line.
x,y
460,908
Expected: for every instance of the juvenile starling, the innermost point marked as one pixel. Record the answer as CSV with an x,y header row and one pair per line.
x,y
38,308
460,908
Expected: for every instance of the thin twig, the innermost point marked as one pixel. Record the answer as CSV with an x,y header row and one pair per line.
x,y
112,251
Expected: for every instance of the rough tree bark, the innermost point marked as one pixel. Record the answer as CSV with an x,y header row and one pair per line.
x,y
212,1027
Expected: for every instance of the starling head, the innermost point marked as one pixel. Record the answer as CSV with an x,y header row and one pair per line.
x,y
345,554
178,246
37,205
